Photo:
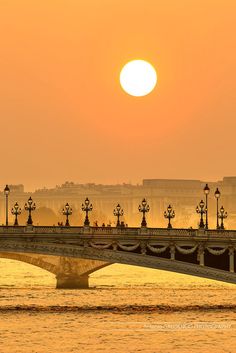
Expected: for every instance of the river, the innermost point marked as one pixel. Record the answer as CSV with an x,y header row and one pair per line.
x,y
127,309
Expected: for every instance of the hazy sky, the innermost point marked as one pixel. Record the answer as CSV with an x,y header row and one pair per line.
x,y
64,115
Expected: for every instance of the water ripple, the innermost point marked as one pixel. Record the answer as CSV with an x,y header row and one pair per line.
x,y
119,309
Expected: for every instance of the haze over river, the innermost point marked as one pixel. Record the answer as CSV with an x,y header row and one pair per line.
x,y
127,309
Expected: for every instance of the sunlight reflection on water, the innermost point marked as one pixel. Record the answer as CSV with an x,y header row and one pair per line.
x,y
128,309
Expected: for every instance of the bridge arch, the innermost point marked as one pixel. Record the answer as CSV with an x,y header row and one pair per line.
x,y
107,256
69,272
36,260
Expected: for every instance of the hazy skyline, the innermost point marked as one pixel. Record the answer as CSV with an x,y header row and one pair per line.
x,y
64,115
121,183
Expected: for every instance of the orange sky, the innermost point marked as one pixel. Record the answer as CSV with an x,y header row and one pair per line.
x,y
64,116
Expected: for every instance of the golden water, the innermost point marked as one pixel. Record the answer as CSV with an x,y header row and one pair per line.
x,y
128,309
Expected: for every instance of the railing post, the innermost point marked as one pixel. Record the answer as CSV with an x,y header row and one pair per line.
x,y
143,231
231,259
86,230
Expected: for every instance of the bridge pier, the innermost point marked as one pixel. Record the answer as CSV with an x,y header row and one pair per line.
x,y
74,273
72,282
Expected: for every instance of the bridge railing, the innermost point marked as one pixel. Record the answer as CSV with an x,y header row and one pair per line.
x,y
41,229
11,229
57,230
112,231
95,230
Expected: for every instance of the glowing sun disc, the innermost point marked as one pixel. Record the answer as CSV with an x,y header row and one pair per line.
x,y
138,78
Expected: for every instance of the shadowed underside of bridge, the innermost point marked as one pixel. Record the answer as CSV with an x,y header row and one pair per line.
x,y
71,273
74,263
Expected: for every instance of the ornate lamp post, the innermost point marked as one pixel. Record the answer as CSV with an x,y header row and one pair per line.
x,y
169,214
118,212
144,208
87,207
30,206
67,211
16,211
217,196
206,192
222,215
200,210
6,192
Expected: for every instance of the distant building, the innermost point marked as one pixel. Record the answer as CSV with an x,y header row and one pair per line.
x,y
182,194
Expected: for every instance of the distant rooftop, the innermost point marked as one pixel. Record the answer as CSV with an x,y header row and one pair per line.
x,y
171,182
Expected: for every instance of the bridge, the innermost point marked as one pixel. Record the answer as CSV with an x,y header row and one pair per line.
x,y
73,253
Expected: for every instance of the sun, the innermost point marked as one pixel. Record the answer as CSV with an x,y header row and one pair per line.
x,y
138,78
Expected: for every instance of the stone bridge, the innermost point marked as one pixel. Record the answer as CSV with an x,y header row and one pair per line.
x,y
72,253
